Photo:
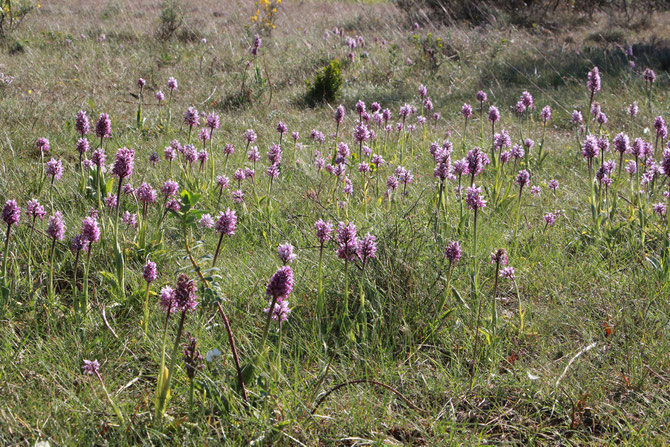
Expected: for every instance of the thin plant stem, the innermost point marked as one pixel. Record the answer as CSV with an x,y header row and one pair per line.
x,y
236,360
51,271
267,323
85,280
170,371
6,254
117,410
145,320
218,249
75,289
494,304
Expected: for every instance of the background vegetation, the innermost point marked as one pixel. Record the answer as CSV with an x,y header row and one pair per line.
x,y
536,385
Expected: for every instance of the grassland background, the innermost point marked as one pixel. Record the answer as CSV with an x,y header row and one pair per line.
x,y
571,284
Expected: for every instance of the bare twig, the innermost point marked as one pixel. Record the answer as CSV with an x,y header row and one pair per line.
x,y
236,359
572,360
104,318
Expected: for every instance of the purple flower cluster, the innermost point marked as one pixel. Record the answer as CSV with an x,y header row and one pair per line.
x,y
103,127
150,273
124,163
82,146
347,241
35,210
206,221
250,136
213,121
90,367
323,230
146,194
170,188
281,283
79,244
226,222
367,248
590,148
499,257
81,123
184,294
281,311
191,117
285,253
43,145
56,226
54,169
339,114
453,252
522,178
474,199
593,82
90,229
11,213
494,114
466,111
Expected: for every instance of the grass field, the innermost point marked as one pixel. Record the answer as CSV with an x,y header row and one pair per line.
x,y
394,343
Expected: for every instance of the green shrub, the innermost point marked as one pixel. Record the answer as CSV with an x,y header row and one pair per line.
x,y
12,14
170,19
326,84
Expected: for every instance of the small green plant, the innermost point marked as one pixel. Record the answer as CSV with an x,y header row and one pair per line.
x,y
431,47
170,19
326,84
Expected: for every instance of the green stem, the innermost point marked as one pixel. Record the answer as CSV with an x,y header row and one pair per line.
x,y
319,300
479,305
30,253
346,284
170,372
117,410
445,297
145,321
51,271
75,289
218,249
190,400
99,191
162,374
5,255
268,319
86,270
518,214
169,112
120,264
494,304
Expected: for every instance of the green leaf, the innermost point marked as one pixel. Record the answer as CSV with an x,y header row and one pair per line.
x,y
108,186
110,277
459,297
656,263
486,334
185,198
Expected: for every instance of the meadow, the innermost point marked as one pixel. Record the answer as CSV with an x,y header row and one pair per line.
x,y
331,223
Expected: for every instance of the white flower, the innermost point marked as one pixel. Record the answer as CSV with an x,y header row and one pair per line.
x,y
212,355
